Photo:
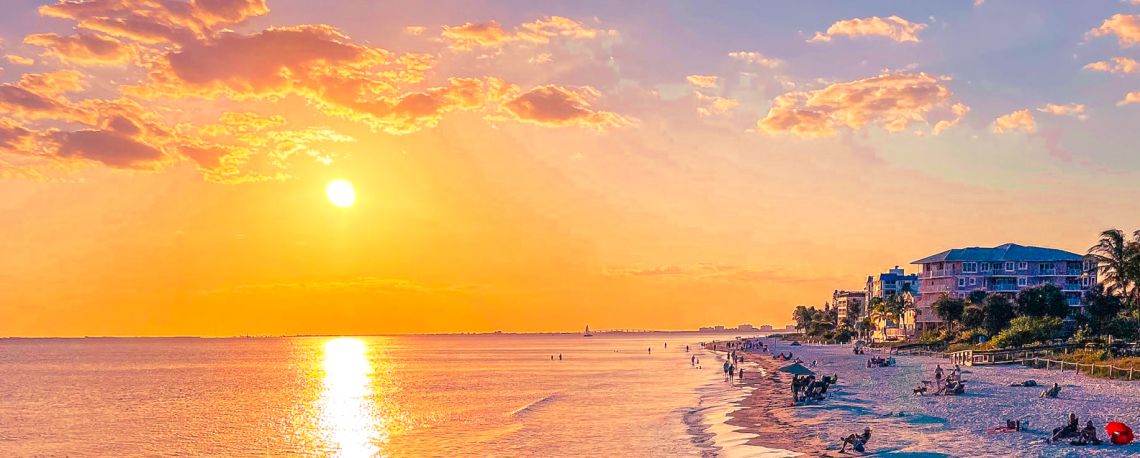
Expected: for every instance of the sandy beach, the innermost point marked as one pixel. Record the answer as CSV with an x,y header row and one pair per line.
x,y
926,426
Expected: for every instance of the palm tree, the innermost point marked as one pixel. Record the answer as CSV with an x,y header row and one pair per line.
x,y
1117,260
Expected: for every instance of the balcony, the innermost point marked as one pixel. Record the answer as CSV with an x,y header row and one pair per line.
x,y
936,273
1005,287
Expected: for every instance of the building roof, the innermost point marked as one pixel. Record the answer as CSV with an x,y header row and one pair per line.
x,y
896,277
1007,252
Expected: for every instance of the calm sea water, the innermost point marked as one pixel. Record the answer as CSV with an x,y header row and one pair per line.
x,y
356,396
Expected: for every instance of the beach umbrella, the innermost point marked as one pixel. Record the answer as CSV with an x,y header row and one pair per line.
x,y
797,369
1119,433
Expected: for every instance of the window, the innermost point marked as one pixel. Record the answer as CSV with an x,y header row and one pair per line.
x,y
969,267
985,266
973,281
1009,267
1084,281
1022,281
1022,266
962,282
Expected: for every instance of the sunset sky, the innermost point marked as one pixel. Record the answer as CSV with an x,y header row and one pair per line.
x,y
537,166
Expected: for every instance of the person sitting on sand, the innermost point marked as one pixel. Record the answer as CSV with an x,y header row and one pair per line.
x,y
1010,426
856,441
1051,392
1070,430
1087,436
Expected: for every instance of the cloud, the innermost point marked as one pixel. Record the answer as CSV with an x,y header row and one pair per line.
x,y
189,51
415,30
54,83
1129,98
1118,65
1075,110
708,272
711,105
83,48
706,81
470,35
153,21
490,34
959,110
1126,27
14,138
1019,120
112,148
756,58
893,27
892,101
19,60
553,105
38,96
318,63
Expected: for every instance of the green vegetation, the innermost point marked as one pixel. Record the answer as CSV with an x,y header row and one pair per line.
x,y
984,321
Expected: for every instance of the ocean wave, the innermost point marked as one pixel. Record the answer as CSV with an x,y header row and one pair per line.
x,y
534,405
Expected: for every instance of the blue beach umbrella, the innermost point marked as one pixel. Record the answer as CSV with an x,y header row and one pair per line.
x,y
797,369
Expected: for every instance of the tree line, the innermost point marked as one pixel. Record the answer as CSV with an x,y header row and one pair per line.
x,y
1035,314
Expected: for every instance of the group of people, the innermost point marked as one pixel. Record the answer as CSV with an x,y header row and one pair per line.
x,y
1073,430
732,370
879,361
783,357
806,388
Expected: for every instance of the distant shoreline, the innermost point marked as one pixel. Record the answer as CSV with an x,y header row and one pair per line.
x,y
441,334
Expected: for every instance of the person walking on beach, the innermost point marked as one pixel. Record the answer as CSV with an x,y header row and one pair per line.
x,y
742,374
727,366
938,373
693,360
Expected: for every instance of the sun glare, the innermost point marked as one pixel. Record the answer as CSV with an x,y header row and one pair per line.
x,y
341,193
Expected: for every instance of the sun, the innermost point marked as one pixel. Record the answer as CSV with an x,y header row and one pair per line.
x,y
340,193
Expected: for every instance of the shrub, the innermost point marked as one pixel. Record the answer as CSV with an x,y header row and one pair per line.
x,y
1025,330
934,338
969,336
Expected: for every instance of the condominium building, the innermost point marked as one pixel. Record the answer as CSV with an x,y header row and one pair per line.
x,y
849,305
1004,269
892,282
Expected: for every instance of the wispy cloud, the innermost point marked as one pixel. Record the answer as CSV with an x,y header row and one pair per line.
x,y
1019,120
893,27
1126,27
892,101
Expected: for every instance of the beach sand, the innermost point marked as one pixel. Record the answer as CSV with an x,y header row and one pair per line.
x,y
926,426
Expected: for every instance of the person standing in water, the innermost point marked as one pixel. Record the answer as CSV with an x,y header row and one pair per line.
x,y
650,350
560,356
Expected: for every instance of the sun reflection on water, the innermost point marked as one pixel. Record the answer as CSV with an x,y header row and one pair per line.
x,y
349,421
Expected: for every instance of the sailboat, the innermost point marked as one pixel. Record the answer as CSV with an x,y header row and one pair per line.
x,y
587,334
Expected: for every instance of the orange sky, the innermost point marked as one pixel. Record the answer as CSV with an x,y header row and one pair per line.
x,y
163,170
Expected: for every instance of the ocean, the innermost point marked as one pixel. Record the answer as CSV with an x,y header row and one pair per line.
x,y
470,395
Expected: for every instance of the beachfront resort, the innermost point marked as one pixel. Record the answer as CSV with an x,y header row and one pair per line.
x,y
977,292
1067,322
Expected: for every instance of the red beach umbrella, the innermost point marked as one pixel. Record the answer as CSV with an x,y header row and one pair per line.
x,y
1119,433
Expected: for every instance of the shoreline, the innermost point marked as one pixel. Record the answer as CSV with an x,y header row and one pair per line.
x,y
927,426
